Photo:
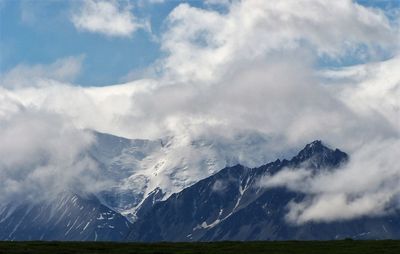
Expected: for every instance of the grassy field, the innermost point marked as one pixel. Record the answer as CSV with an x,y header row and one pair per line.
x,y
346,246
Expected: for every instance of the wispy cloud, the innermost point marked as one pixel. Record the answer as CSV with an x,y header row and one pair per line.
x,y
23,75
366,186
111,18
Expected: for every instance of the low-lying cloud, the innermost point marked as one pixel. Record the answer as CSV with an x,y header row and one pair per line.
x,y
367,186
42,155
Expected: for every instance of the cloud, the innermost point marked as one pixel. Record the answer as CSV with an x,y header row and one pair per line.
x,y
156,1
218,2
366,186
43,155
206,44
283,100
112,18
290,177
111,105
219,186
377,89
23,75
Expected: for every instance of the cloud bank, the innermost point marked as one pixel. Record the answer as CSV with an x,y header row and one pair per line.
x,y
366,186
201,50
251,68
42,155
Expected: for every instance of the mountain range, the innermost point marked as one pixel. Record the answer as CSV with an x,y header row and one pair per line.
x,y
183,190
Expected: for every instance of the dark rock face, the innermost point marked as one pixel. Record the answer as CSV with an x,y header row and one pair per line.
x,y
67,218
315,155
231,205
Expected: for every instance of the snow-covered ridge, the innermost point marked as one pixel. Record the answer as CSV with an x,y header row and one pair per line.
x,y
137,167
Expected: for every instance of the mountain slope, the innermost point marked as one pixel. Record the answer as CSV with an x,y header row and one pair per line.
x,y
67,217
231,205
139,167
138,173
228,205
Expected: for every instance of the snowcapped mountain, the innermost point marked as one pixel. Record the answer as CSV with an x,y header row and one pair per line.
x,y
177,189
231,205
139,167
139,173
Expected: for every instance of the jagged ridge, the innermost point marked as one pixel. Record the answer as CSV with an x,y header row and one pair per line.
x,y
231,205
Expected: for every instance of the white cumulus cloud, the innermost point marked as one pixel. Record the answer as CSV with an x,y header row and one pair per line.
x,y
112,18
205,44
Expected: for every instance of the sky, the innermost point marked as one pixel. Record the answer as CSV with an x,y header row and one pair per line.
x,y
293,71
41,32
